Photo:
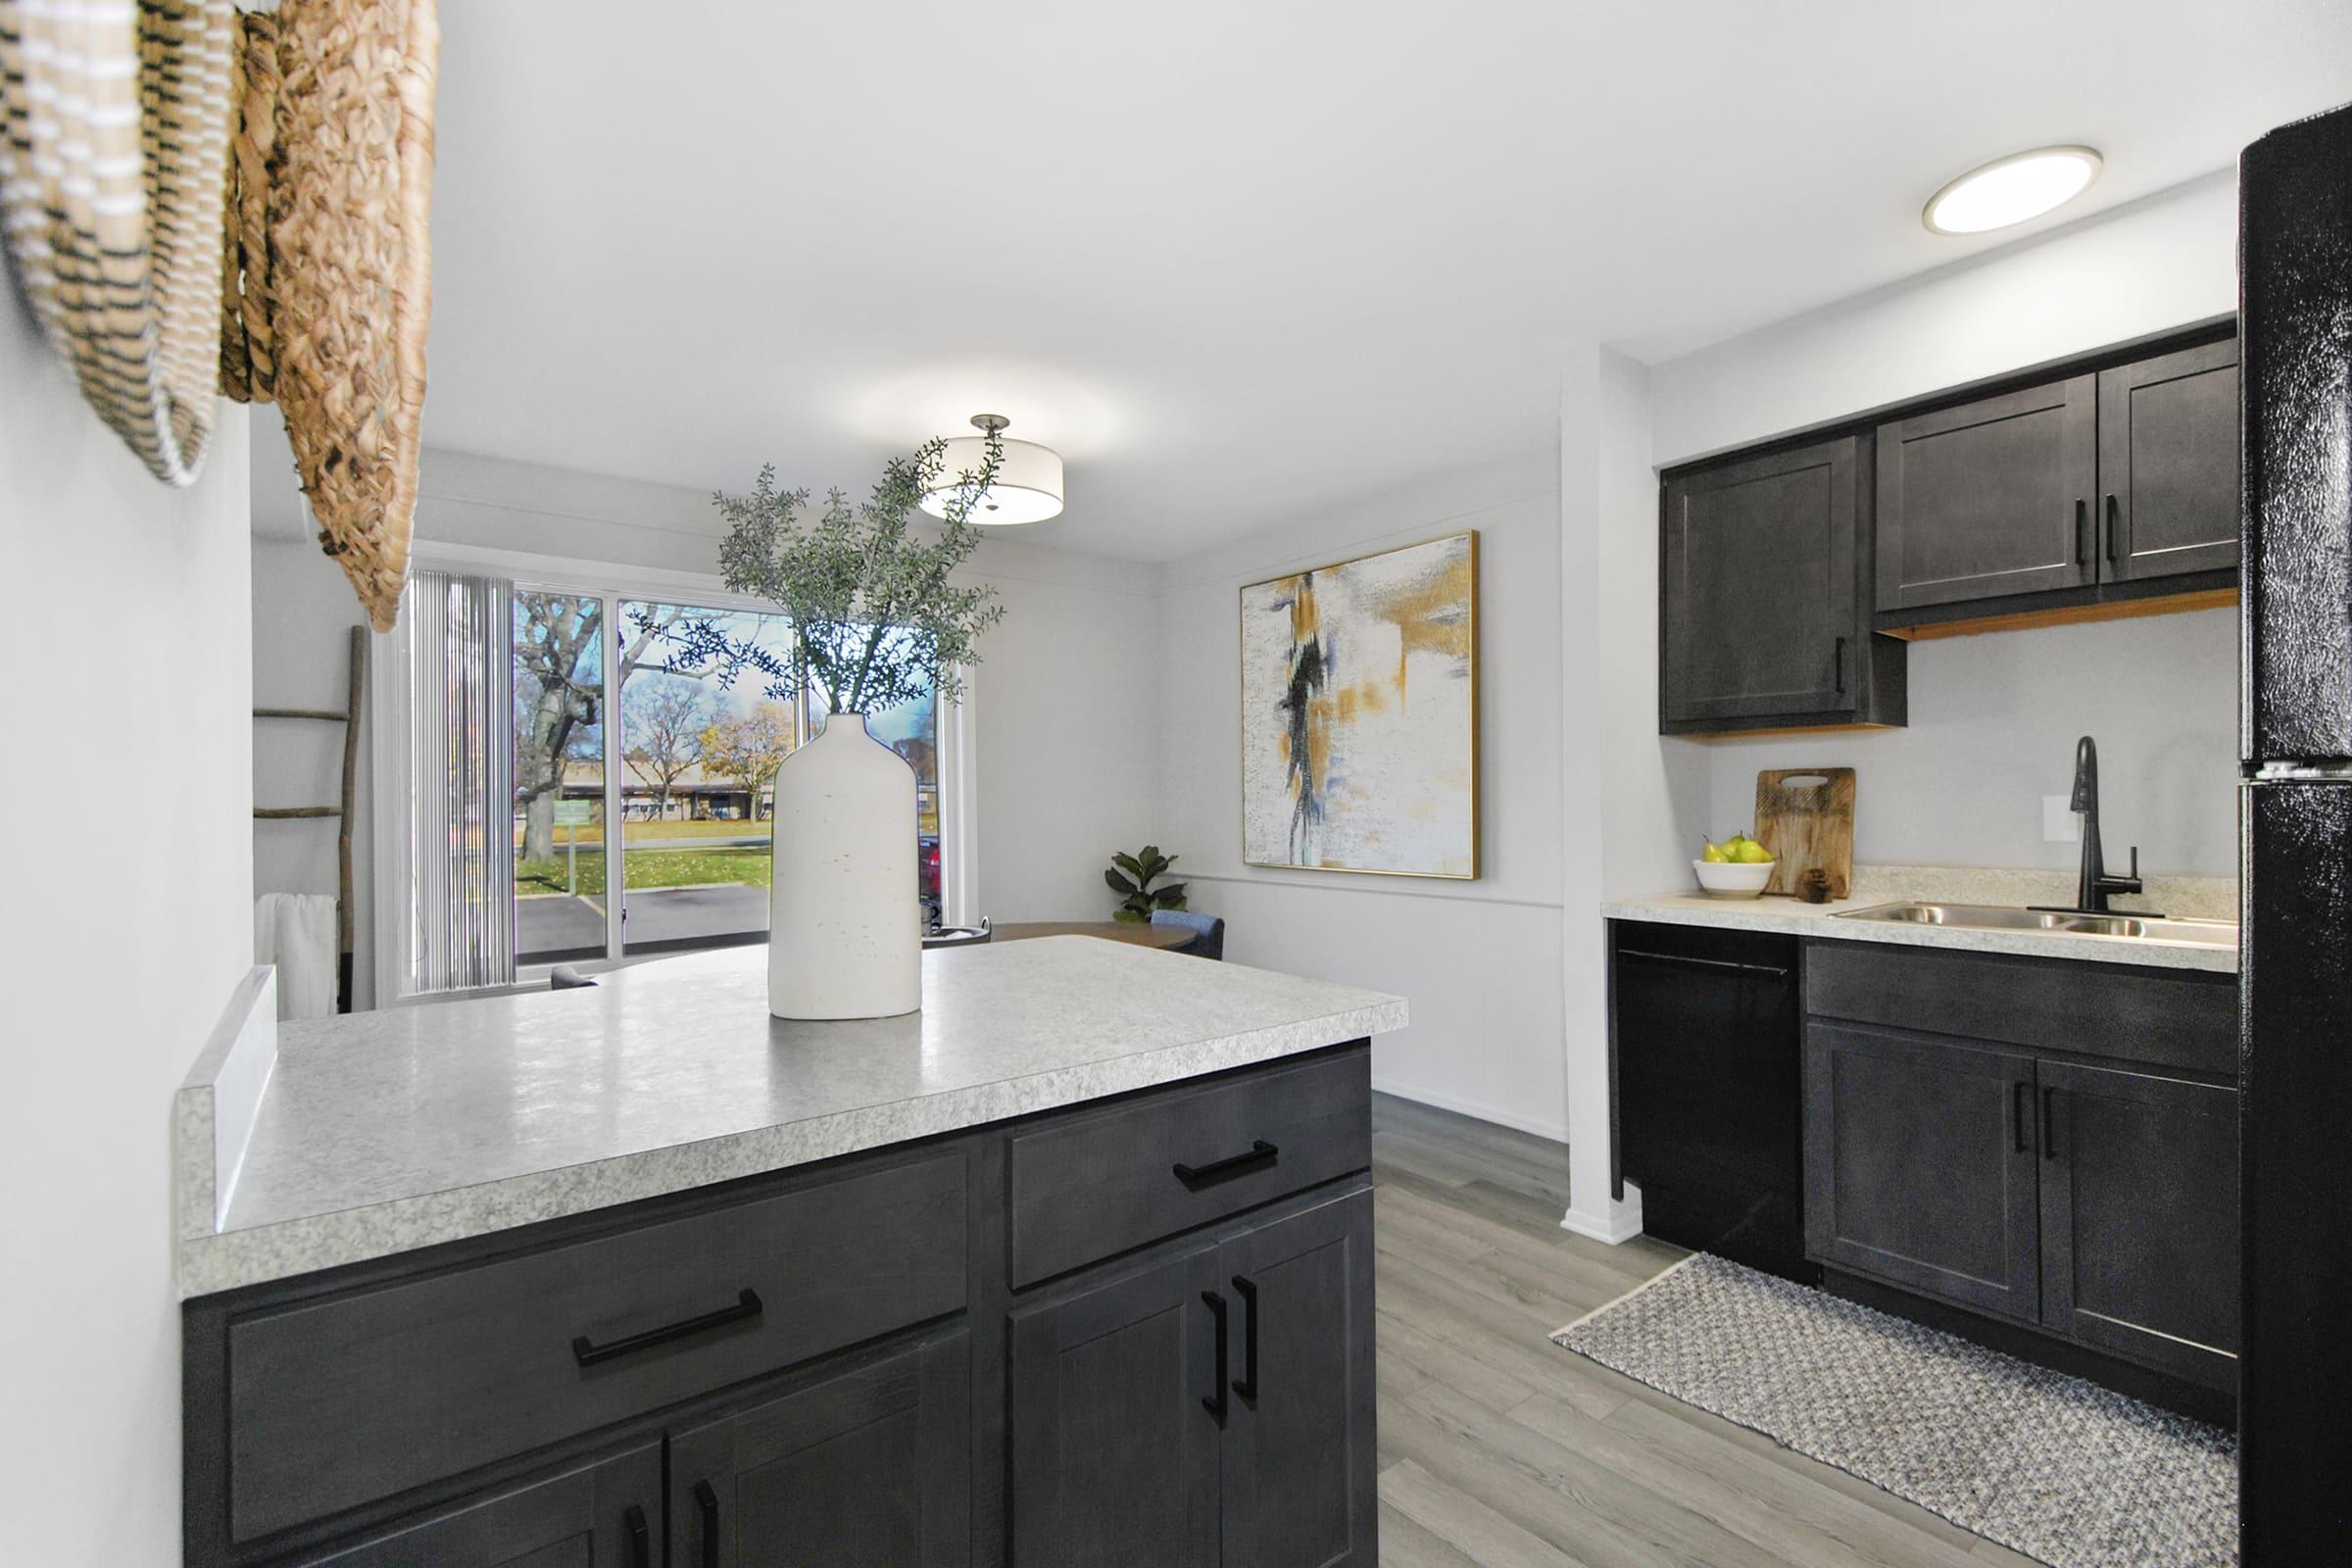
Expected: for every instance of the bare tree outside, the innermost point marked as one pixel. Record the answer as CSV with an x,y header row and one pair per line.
x,y
665,720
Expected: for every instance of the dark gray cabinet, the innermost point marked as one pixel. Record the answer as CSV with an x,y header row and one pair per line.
x,y
2169,464
1990,498
1763,597
1114,1441
869,1465
1919,1165
2139,1224
603,1514
1299,1463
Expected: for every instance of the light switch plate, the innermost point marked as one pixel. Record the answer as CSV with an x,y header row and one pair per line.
x,y
2058,824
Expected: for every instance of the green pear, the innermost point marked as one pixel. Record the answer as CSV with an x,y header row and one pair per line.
x,y
1715,853
1747,851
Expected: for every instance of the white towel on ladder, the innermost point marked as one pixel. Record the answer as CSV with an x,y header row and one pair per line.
x,y
296,932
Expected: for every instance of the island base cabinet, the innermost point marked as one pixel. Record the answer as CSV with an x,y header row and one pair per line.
x,y
1299,1463
1919,1165
868,1467
1115,1433
1214,1407
2139,1226
605,1514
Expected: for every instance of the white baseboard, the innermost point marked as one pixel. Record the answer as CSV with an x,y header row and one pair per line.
x,y
1556,1132
1622,1223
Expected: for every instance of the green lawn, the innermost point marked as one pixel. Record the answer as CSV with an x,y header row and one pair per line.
x,y
650,832
649,869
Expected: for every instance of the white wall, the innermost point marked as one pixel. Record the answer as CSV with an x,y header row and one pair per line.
x,y
1480,961
1061,703
128,923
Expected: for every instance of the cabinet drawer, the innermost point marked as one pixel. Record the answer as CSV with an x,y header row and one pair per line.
x,y
2167,1017
356,1398
1102,1183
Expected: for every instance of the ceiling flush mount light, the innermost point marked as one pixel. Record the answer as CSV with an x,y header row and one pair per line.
x,y
1028,482
2009,190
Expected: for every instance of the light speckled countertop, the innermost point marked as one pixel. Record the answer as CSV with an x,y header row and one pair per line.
x,y
2190,897
386,1131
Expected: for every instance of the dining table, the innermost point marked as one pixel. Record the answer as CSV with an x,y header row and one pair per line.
x,y
1130,931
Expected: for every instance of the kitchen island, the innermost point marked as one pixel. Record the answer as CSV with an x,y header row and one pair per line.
x,y
1073,1266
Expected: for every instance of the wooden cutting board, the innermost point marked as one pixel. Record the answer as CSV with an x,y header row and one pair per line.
x,y
1805,816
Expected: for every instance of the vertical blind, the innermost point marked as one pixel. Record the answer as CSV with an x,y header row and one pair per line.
x,y
459,817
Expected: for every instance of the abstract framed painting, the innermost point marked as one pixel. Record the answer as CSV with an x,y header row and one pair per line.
x,y
1359,714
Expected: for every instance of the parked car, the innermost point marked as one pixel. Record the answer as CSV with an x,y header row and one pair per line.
x,y
926,879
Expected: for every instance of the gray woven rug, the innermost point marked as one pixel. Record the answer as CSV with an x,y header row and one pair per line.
x,y
2048,1465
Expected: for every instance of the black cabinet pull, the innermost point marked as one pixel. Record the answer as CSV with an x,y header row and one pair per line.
x,y
2018,1113
2114,518
2081,532
1215,1402
1839,657
1261,1153
1247,1383
2050,1143
641,1541
1641,955
587,1353
705,1504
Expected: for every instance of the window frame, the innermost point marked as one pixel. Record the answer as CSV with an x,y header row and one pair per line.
x,y
610,584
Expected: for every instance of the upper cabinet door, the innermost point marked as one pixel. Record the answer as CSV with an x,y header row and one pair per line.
x,y
1990,498
2169,464
1759,595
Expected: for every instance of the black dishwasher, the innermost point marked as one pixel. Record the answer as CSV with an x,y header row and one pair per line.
x,y
1704,1048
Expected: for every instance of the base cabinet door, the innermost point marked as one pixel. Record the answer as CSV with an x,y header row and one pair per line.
x,y
606,1514
1920,1165
1299,1463
1116,1414
2140,1223
869,1467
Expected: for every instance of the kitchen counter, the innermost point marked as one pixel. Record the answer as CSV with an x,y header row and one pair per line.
x,y
365,1135
1795,918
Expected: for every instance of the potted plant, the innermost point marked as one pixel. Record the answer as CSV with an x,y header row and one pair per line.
x,y
1132,876
874,623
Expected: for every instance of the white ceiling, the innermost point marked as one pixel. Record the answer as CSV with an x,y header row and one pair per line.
x,y
1234,258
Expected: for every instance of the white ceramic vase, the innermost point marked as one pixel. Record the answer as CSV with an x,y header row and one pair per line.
x,y
845,912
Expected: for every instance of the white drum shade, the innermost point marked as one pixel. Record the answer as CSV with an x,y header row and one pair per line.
x,y
1027,488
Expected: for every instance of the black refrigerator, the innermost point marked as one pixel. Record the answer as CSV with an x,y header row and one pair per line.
x,y
2295,849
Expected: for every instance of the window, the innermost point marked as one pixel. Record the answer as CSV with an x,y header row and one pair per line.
x,y
642,746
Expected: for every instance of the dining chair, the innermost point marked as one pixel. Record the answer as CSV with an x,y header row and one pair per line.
x,y
1208,931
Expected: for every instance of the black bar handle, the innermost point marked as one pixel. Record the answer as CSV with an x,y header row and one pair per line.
x,y
2114,518
2049,1142
2081,532
1839,656
1646,956
2018,1113
588,1354
1215,1402
1247,1383
1261,1153
641,1541
706,1503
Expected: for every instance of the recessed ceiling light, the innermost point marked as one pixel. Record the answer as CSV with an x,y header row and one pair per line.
x,y
1027,488
2009,190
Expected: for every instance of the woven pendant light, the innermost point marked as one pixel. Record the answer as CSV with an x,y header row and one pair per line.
x,y
114,130
329,265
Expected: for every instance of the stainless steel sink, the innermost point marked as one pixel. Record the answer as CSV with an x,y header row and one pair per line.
x,y
2006,917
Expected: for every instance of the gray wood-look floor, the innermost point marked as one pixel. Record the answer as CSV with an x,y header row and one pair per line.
x,y
1496,1447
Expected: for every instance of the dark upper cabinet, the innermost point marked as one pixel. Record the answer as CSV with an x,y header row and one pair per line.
x,y
1990,499
2169,464
1763,600
605,1514
1300,1469
869,1465
1115,1452
2139,1229
1919,1165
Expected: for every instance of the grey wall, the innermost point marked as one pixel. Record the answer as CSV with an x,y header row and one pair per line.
x,y
128,921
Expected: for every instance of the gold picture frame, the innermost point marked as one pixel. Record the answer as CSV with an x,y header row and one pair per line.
x,y
1421,802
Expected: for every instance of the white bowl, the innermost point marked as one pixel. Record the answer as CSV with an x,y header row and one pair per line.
x,y
1728,879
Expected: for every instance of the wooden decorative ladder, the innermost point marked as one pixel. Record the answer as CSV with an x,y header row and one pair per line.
x,y
349,717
